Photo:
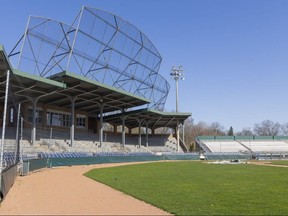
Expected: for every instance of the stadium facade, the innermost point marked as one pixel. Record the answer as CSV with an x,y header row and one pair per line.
x,y
74,78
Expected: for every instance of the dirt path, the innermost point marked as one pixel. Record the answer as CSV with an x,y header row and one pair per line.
x,y
64,190
267,163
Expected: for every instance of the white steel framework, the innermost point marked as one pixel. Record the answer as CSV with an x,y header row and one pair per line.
x,y
97,45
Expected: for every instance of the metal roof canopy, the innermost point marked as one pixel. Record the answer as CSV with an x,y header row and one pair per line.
x,y
154,119
89,94
60,88
25,86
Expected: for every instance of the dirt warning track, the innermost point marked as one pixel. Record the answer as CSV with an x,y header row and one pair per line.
x,y
65,191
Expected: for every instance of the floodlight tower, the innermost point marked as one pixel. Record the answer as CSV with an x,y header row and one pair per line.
x,y
177,74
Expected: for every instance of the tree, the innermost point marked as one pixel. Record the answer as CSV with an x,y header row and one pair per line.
x,y
245,132
216,129
200,129
284,129
188,133
230,132
192,131
267,128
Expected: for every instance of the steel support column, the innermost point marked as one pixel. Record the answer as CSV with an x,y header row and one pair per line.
x,y
17,134
177,135
183,135
101,124
147,141
4,121
139,137
72,128
123,130
33,134
21,132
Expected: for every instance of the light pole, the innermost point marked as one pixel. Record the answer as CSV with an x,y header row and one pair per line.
x,y
177,74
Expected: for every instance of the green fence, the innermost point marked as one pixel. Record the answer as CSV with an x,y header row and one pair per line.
x,y
242,137
227,157
8,177
264,137
37,164
281,137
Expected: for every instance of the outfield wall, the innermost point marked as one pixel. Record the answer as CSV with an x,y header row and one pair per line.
x,y
8,177
36,164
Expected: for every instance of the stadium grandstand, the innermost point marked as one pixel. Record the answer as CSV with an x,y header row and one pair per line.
x,y
256,147
62,84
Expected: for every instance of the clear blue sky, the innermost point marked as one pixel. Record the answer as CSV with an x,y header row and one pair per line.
x,y
234,52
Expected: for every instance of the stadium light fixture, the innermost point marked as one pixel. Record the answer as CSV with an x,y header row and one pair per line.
x,y
177,74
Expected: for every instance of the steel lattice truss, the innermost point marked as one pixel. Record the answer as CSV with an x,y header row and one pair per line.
x,y
98,45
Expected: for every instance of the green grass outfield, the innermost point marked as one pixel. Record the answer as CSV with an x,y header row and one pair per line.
x,y
197,188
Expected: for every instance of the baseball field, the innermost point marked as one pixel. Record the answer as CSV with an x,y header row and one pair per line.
x,y
196,188
156,188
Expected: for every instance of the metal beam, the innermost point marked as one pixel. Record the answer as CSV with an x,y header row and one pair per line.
x,y
139,137
169,122
4,122
147,140
123,130
72,132
101,124
33,134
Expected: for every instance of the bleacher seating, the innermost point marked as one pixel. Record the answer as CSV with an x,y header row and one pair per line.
x,y
86,145
87,154
243,145
9,158
266,146
56,144
64,154
224,146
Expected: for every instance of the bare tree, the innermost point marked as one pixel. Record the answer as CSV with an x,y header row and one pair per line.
x,y
200,129
284,129
267,128
245,132
188,135
193,130
216,129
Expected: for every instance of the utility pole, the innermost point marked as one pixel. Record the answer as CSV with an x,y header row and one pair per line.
x,y
177,74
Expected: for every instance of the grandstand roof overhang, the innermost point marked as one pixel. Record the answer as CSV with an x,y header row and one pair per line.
x,y
26,86
89,94
4,62
154,119
59,89
23,85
